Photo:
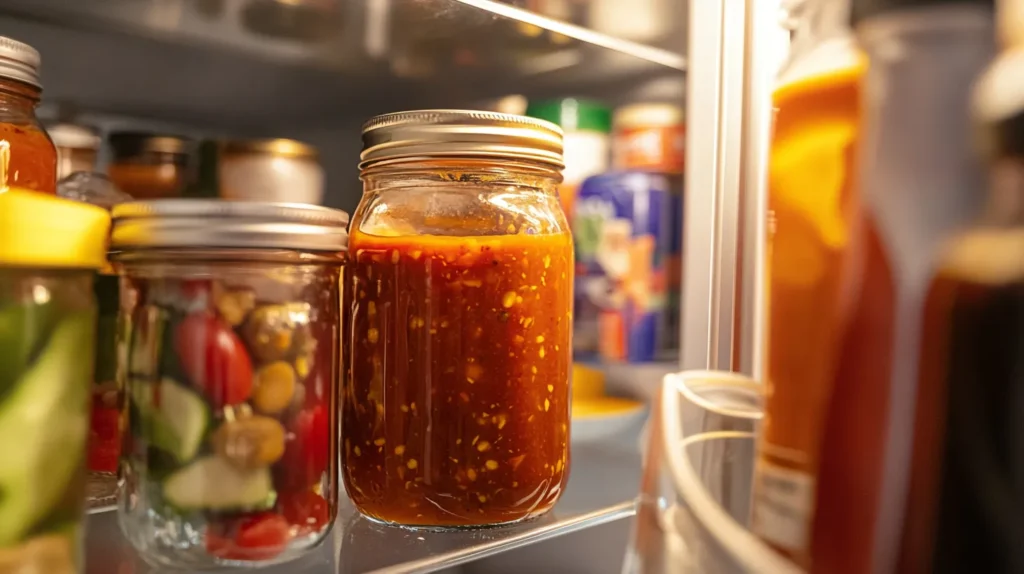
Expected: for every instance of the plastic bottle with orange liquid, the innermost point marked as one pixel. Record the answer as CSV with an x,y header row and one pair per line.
x,y
811,198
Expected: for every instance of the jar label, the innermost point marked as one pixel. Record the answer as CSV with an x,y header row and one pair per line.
x,y
782,506
622,231
661,149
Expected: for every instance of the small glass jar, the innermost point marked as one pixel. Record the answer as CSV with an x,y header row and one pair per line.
x,y
49,250
231,351
149,166
107,419
77,148
270,170
28,158
456,410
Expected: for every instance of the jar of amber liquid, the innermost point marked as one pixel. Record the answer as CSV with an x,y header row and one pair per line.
x,y
28,158
149,166
459,291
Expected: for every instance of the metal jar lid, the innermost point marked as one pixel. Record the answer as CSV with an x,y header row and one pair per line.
x,y
203,223
73,136
19,61
460,133
272,147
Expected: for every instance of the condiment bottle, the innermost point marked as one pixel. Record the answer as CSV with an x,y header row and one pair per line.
x,y
587,141
811,188
966,506
28,158
919,183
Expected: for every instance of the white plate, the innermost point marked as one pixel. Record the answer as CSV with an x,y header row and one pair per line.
x,y
598,427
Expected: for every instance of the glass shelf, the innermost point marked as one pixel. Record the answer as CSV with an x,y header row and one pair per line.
x,y
210,62
602,487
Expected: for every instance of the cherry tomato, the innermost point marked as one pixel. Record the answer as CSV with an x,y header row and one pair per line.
x,y
258,537
306,510
104,439
308,448
214,358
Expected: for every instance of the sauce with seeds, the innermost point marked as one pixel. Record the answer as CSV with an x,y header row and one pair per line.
x,y
456,412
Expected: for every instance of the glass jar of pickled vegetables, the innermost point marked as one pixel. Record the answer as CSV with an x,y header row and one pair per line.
x,y
107,417
28,158
230,348
49,250
459,290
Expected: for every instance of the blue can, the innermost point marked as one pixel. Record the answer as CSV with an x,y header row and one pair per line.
x,y
623,228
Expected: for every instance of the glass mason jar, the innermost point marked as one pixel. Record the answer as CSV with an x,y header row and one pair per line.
x,y
49,250
28,159
456,407
77,148
149,166
107,417
231,349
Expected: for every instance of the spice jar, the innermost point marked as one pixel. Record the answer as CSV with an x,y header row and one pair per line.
x,y
148,166
77,147
456,410
231,355
49,250
651,137
270,170
28,158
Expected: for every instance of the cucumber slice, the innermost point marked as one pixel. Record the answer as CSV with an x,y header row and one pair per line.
x,y
212,483
24,328
172,417
44,424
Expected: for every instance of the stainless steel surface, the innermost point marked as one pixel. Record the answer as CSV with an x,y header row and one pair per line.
x,y
388,55
603,484
712,204
212,223
763,60
19,61
459,133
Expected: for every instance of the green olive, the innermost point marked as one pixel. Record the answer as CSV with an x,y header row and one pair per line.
x,y
272,330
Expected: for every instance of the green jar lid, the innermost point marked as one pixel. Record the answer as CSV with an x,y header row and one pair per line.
x,y
573,115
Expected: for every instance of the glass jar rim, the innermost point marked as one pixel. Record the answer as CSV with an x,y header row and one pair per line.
x,y
203,223
430,134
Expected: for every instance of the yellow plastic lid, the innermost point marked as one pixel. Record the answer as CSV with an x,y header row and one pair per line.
x,y
40,230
